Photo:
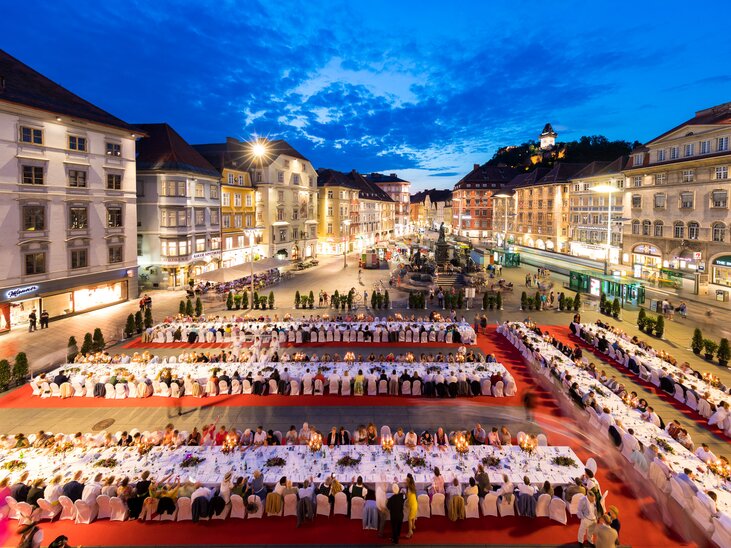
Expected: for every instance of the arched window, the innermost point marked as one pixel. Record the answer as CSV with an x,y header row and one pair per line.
x,y
693,230
719,232
635,227
679,229
658,229
646,227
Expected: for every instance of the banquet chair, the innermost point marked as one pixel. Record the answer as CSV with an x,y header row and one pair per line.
x,y
34,386
223,387
46,510
68,510
356,507
655,377
341,504
246,386
78,390
294,389
238,510
24,511
704,408
542,505
334,386
174,390
319,388
273,387
360,337
185,509
85,513
416,388
164,390
591,464
290,505
120,391
131,390
255,501
424,337
225,512
691,401
345,387
488,505
323,505
456,510
557,510
472,507
409,336
104,511
701,514
274,504
520,437
372,387
511,388
385,431
721,533
422,509
55,390
574,504
406,388
144,390
506,508
12,505
89,388
109,393
437,505
498,389
211,388
382,388
679,393
307,387
235,387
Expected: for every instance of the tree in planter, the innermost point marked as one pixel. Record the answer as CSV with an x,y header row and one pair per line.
x,y
659,326
129,328
499,300
181,308
724,352
696,343
577,303
189,307
88,345
641,318
386,300
198,307
263,302
98,340
374,300
460,299
616,308
603,303
243,300
271,300
349,300
523,300
568,303
311,299
297,299
20,367
709,349
649,325
148,318
255,300
335,300
6,375
72,350
484,301
230,300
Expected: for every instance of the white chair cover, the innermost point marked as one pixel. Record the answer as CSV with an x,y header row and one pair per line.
x,y
323,505
423,509
472,508
85,513
437,505
341,504
238,510
557,510
489,505
356,507
506,508
542,505
253,499
290,505
68,511
185,509
48,511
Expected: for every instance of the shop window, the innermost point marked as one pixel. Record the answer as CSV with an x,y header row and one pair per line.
x,y
34,217
116,254
78,218
693,230
114,217
719,232
35,263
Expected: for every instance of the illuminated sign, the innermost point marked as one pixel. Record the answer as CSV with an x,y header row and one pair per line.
x,y
13,293
724,260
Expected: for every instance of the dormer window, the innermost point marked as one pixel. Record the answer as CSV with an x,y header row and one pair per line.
x,y
688,150
637,159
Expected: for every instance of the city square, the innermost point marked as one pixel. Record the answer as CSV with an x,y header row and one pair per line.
x,y
247,328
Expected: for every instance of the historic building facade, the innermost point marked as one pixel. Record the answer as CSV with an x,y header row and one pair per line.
x,y
399,191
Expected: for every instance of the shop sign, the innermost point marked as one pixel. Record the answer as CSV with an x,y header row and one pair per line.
x,y
204,254
644,249
19,292
697,255
724,260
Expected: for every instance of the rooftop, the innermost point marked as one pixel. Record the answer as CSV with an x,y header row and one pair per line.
x,y
165,150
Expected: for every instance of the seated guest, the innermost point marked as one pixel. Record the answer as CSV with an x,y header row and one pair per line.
x,y
291,436
399,437
546,489
493,438
526,488
35,492
505,436
426,440
260,436
74,488
333,438
478,435
472,489
705,454
19,490
344,436
437,483
411,440
357,489
272,439
454,489
441,439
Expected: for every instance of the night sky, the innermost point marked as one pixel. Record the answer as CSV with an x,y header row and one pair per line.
x,y
424,89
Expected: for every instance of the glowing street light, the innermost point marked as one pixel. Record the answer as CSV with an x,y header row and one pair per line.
x,y
258,149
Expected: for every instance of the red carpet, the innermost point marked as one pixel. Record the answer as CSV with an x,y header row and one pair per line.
x,y
564,334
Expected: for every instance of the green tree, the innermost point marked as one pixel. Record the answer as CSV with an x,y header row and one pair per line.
x,y
181,308
696,343
72,349
373,300
20,367
569,302
349,300
335,300
88,345
724,352
198,307
523,300
98,340
189,307
5,374
255,300
641,319
709,348
230,300
271,299
129,327
263,302
297,299
148,318
537,300
561,301
616,308
311,300
659,326
577,303
243,300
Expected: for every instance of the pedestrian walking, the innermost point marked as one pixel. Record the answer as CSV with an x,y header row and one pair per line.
x,y
528,404
148,301
32,320
44,319
365,297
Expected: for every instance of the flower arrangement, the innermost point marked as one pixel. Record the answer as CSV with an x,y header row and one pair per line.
x,y
414,461
387,444
598,390
315,443
14,465
461,444
564,461
665,446
275,462
347,460
144,448
491,461
711,379
60,448
106,463
720,468
189,461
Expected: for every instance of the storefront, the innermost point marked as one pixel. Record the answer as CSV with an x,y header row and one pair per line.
x,y
721,270
646,262
19,302
612,286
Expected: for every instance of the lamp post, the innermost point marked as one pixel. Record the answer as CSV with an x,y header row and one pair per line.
x,y
252,233
505,198
346,224
609,190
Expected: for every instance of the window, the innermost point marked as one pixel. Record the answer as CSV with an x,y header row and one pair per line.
x,y
674,153
688,149
114,217
280,196
658,229
114,181
35,263
620,183
172,188
237,200
280,176
200,191
249,219
329,211
139,245
718,232
635,227
77,178
230,178
637,180
637,159
78,218
226,220
722,172
31,135
226,199
79,258
330,194
686,200
688,176
114,149
215,243
77,143
295,179
248,200
693,230
214,217
661,155
661,178
200,216
238,220
719,198
116,254
214,192
282,235
257,176
705,147
679,230
660,200
636,201
280,215
32,175
286,164
722,144
34,217
200,245
329,228
646,228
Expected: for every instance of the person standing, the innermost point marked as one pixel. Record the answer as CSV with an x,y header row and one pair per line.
x,y
395,506
148,301
412,504
32,320
44,319
587,514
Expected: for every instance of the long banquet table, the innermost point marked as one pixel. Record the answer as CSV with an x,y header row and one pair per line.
x,y
301,463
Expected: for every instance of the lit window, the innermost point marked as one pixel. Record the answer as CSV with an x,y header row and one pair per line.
x,y
114,149
646,228
636,201
637,180
114,217
78,218
658,229
34,217
693,230
661,178
722,172
679,230
116,254
719,232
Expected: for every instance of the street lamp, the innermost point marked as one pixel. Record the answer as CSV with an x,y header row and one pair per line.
x,y
609,190
346,224
505,198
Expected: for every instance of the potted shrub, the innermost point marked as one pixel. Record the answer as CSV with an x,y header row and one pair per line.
x,y
88,345
696,343
577,303
523,301
148,318
311,300
20,367
499,300
297,299
139,324
129,327
386,300
709,349
230,300
5,375
72,349
603,303
659,326
244,300
189,307
724,352
263,301
616,308
271,300
181,308
561,302
649,325
98,340
198,307
569,303
641,317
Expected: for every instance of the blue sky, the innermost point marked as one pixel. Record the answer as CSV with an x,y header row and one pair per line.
x,y
423,88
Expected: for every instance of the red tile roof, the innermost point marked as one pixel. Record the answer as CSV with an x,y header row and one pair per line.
x,y
165,150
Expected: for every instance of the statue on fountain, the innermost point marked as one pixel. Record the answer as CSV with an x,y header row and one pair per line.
x,y
442,233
